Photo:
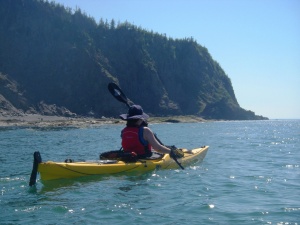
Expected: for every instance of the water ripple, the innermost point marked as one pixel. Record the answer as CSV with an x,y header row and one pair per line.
x,y
249,176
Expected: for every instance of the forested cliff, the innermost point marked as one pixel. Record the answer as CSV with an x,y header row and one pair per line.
x,y
56,61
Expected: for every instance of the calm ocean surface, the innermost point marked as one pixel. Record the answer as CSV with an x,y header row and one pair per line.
x,y
250,175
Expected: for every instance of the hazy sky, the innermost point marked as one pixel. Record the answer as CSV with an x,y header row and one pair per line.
x,y
256,42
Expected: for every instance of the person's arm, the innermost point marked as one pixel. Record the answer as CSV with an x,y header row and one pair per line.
x,y
149,136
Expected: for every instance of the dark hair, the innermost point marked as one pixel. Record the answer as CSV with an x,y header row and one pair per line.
x,y
132,123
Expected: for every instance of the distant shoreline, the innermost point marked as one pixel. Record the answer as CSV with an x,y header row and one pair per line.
x,y
36,120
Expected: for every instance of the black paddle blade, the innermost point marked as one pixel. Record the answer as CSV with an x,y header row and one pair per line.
x,y
36,160
116,91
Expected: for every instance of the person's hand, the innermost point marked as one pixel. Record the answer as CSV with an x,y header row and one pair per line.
x,y
176,153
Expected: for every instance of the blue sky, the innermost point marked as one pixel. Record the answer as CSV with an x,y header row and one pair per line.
x,y
256,42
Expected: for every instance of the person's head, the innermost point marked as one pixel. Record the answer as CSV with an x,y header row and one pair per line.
x,y
135,116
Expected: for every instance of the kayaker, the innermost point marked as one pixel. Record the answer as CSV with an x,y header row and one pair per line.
x,y
137,138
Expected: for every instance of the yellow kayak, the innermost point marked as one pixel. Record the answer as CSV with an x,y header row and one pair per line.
x,y
57,170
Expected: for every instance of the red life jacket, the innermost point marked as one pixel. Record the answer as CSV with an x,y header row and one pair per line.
x,y
133,141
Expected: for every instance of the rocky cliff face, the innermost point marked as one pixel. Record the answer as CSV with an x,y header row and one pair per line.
x,y
11,97
57,62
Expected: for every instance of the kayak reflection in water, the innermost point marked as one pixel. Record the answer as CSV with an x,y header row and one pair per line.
x,y
138,139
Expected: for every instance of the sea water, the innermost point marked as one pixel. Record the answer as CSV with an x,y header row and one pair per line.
x,y
250,175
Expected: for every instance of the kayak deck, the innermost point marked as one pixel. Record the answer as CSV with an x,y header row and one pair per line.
x,y
57,170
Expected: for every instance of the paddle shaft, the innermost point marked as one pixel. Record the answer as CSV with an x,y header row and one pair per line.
x,y
175,159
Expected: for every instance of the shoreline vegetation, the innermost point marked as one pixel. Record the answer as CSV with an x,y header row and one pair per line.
x,y
37,120
46,36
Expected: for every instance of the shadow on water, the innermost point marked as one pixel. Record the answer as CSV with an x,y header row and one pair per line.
x,y
54,185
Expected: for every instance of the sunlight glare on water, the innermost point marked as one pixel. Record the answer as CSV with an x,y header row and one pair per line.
x,y
249,176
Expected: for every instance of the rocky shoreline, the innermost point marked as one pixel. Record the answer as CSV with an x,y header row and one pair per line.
x,y
36,120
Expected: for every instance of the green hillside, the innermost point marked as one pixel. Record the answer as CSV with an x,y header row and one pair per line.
x,y
63,60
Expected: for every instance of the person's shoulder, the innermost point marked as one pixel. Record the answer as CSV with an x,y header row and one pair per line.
x,y
147,130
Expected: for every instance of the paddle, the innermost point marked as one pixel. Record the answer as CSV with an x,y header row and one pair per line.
x,y
36,160
116,91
